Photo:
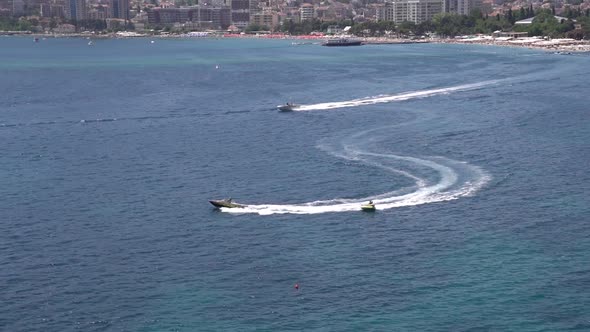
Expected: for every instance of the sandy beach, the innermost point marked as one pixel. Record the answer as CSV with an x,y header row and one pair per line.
x,y
553,45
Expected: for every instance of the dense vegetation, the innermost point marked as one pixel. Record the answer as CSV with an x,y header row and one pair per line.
x,y
34,25
450,25
14,24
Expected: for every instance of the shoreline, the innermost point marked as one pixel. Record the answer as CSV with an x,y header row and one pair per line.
x,y
563,45
550,45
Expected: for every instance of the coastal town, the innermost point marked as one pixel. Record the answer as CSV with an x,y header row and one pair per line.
x,y
562,25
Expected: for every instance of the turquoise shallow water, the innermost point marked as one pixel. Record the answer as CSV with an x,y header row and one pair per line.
x,y
476,156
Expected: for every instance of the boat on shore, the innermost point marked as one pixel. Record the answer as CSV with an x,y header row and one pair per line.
x,y
288,107
342,42
226,203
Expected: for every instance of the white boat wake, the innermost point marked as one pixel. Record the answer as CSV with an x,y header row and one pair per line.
x,y
434,179
397,97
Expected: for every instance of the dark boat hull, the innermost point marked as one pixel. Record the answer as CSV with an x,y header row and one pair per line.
x,y
343,42
287,108
226,204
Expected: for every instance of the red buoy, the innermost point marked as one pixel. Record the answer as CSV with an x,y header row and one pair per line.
x,y
296,286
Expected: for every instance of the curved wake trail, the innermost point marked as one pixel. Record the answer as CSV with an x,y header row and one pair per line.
x,y
435,179
453,180
397,97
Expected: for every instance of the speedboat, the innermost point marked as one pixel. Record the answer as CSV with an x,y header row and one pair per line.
x,y
226,203
369,207
288,107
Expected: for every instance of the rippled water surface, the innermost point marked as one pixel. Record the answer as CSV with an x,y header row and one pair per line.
x,y
477,158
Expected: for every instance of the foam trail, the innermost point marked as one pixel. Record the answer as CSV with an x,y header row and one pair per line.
x,y
398,97
434,179
455,180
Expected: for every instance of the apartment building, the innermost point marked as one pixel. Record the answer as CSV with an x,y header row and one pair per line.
x,y
416,11
215,17
463,7
240,13
76,10
306,12
265,19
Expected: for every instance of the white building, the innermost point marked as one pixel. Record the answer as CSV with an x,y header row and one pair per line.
x,y
334,30
306,12
416,11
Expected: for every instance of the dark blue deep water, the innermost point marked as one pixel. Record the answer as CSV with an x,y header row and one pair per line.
x,y
477,158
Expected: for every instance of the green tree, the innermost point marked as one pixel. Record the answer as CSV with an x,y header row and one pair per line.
x,y
446,25
575,34
584,21
406,28
530,12
564,27
116,26
521,14
52,23
509,16
545,24
24,25
476,14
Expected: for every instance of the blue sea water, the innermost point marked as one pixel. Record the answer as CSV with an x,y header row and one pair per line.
x,y
476,156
